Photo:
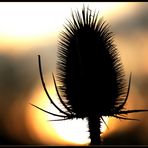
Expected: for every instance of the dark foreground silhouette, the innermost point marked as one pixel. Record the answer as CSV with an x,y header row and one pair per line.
x,y
91,73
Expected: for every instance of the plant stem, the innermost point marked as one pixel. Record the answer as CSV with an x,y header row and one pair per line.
x,y
94,125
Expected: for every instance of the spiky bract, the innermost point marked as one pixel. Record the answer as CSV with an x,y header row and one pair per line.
x,y
89,67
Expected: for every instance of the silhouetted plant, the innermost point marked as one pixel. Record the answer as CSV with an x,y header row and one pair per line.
x,y
91,73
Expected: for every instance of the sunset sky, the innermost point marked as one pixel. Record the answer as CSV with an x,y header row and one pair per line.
x,y
31,28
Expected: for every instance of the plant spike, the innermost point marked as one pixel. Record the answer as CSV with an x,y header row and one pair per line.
x,y
128,90
62,102
48,111
44,86
126,118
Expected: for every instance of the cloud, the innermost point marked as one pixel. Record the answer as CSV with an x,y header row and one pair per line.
x,y
133,21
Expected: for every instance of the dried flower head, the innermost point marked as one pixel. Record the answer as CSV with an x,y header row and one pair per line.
x,y
91,73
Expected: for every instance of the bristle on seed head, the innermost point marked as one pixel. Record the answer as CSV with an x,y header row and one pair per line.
x,y
89,66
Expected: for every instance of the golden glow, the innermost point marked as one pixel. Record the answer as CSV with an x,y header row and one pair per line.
x,y
69,132
103,126
75,130
37,121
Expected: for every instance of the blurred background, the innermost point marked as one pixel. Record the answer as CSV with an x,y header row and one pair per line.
x,y
29,29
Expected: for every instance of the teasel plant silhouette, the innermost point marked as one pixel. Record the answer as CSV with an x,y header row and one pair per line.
x,y
91,73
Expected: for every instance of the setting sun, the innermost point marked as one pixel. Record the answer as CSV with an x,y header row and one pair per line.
x,y
71,131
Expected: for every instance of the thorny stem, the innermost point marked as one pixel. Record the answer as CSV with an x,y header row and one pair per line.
x,y
94,124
